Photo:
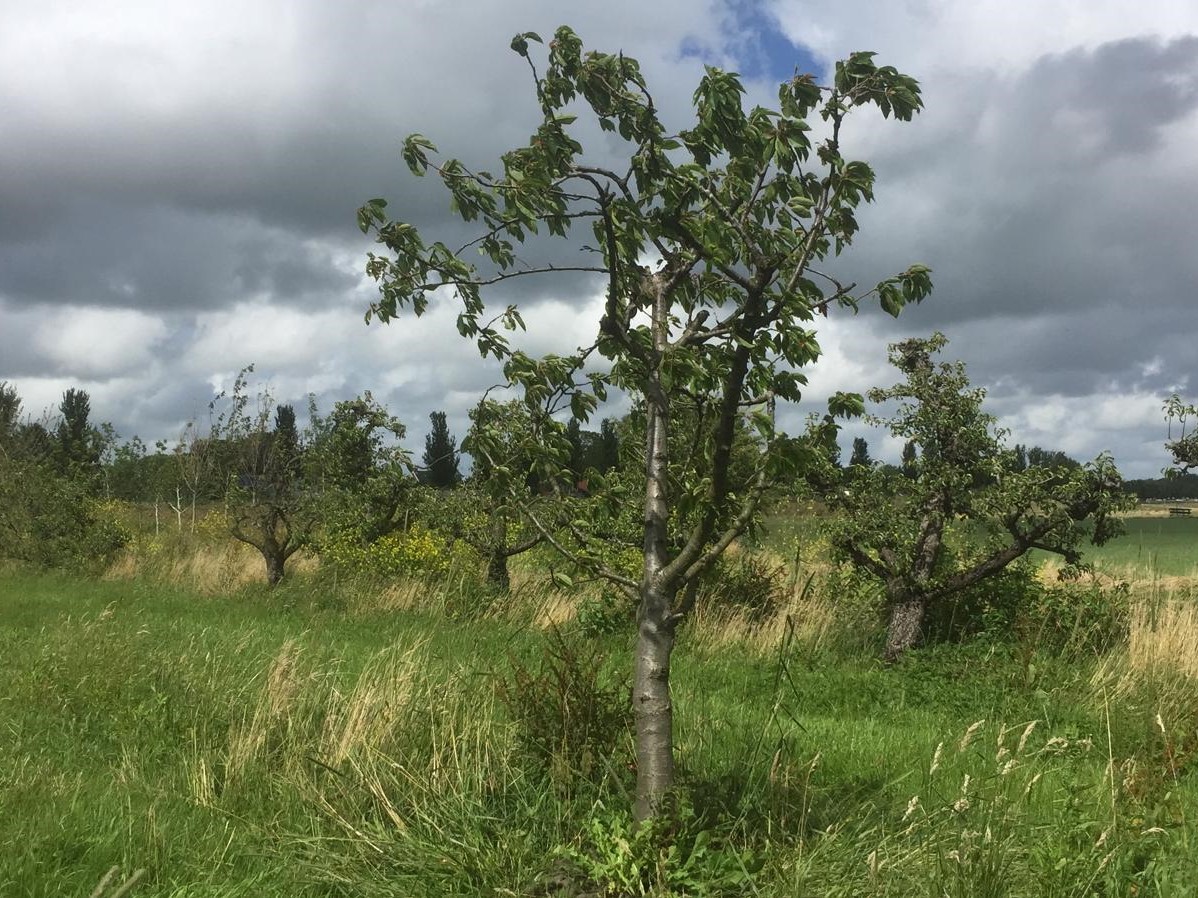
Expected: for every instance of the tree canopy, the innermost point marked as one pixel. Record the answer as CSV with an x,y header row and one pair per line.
x,y
901,527
708,245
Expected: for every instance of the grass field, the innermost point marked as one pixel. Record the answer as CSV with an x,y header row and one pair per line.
x,y
255,745
1154,545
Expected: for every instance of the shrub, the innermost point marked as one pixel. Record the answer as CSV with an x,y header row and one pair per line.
x,y
49,521
674,854
416,551
1080,617
570,716
992,606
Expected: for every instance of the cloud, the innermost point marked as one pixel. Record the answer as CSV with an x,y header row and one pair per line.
x,y
185,178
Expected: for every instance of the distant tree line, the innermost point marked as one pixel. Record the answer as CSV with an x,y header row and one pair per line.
x,y
1182,486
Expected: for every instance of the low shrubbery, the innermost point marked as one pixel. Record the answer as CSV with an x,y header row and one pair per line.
x,y
49,520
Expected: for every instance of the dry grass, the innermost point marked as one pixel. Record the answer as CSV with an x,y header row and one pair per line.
x,y
1160,662
209,568
1164,639
371,712
280,689
807,617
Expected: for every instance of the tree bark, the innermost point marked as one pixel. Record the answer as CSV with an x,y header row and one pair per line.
x,y
497,572
905,627
275,565
653,711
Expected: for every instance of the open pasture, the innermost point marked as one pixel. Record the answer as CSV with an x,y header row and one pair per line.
x,y
1155,545
255,745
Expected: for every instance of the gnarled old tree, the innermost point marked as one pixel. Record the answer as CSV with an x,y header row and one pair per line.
x,y
254,447
707,243
897,525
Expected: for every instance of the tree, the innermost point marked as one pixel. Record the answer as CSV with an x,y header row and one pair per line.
x,y
1184,447
860,456
1038,457
609,446
79,445
1019,461
10,413
287,441
441,455
899,529
708,244
258,465
501,474
355,464
46,516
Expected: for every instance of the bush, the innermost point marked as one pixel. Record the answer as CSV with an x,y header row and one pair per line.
x,y
415,552
49,520
1080,617
570,716
993,606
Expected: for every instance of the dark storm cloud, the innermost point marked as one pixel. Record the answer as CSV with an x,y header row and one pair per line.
x,y
211,185
159,258
1052,209
200,165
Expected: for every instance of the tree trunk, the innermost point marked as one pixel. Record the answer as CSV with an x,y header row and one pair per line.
x,y
497,573
652,709
275,564
906,623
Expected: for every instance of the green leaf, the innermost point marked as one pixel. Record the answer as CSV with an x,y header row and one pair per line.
x,y
520,41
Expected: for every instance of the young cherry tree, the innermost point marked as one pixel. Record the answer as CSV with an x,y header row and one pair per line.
x,y
707,243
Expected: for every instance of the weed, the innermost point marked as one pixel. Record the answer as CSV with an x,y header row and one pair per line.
x,y
571,718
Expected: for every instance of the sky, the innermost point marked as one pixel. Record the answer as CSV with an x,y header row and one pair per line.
x,y
181,180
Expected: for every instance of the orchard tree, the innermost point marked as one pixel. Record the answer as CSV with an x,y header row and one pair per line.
x,y
258,464
708,243
899,528
500,488
355,464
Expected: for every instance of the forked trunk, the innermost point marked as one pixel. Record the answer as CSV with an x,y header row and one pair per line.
x,y
652,709
905,627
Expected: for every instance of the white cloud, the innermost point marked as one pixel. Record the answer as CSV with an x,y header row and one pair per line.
x,y
930,36
97,344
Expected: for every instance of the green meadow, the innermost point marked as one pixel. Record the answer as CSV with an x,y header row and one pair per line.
x,y
320,741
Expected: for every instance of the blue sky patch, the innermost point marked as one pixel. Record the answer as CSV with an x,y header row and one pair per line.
x,y
759,47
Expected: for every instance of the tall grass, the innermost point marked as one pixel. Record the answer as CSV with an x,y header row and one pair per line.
x,y
348,738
